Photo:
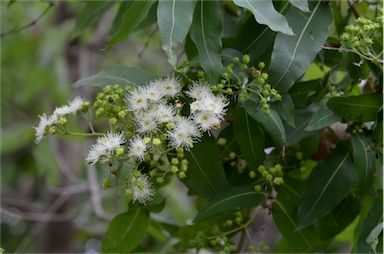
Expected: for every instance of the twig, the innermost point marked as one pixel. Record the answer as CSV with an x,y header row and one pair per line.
x,y
147,42
353,9
33,22
42,217
241,241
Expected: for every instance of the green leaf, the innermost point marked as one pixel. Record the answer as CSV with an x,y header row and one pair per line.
x,y
265,13
362,108
271,122
249,137
363,160
292,55
302,5
230,200
116,74
174,19
327,185
205,175
125,231
119,16
133,15
206,32
321,119
286,109
90,14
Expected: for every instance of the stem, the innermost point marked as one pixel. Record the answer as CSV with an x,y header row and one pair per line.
x,y
82,134
241,241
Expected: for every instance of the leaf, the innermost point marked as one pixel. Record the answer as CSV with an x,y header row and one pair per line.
x,y
205,175
362,108
292,55
265,13
286,109
90,14
327,185
373,237
230,200
271,122
296,134
206,32
321,119
249,137
174,19
119,16
134,14
300,4
363,160
116,74
125,231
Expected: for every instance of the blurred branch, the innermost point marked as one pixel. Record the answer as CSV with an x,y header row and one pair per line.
x,y
33,22
16,213
147,42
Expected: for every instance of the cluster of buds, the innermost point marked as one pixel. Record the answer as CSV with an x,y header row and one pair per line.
x,y
272,175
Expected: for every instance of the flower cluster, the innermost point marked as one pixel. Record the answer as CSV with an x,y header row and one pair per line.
x,y
105,148
140,188
47,123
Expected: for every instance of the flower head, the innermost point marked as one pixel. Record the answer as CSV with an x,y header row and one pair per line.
x,y
169,86
70,108
44,124
104,148
142,189
206,120
146,121
137,148
198,91
137,100
184,134
164,113
153,92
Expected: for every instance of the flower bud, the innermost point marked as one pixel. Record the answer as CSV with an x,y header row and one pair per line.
x,y
221,141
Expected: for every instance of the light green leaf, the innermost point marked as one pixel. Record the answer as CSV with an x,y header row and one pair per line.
x,y
373,237
362,108
265,13
205,175
292,55
117,74
125,231
286,109
206,32
363,160
271,122
327,185
249,137
300,4
133,15
174,19
321,119
230,200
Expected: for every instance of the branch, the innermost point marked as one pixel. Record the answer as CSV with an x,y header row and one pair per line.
x,y
33,22
42,217
147,42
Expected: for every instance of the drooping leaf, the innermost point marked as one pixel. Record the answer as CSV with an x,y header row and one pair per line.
x,y
174,19
117,74
363,160
300,4
205,175
125,231
119,16
271,122
230,200
297,133
301,91
321,119
265,13
362,108
90,14
327,185
292,55
133,15
206,32
249,137
286,109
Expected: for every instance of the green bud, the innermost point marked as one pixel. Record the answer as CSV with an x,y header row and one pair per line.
x,y
52,130
299,155
269,177
122,114
258,188
106,183
221,141
242,98
175,161
252,174
119,151
229,90
184,168
264,75
113,121
267,87
273,170
266,92
236,59
62,121
278,97
261,80
200,74
225,76
160,179
147,140
156,141
174,169
214,88
136,173
243,66
246,59
181,175
261,65
85,106
261,168
220,86
128,193
232,155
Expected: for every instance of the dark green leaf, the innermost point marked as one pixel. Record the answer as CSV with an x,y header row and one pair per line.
x,y
271,122
133,15
119,16
125,231
249,137
296,134
292,55
230,200
301,91
265,13
321,119
117,74
327,185
205,175
206,32
300,4
90,14
363,160
286,109
362,108
174,19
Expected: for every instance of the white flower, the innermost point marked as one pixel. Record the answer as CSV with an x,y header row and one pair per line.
x,y
206,120
146,121
70,108
153,92
210,103
198,91
164,113
169,86
44,124
184,134
142,189
105,147
137,148
137,100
